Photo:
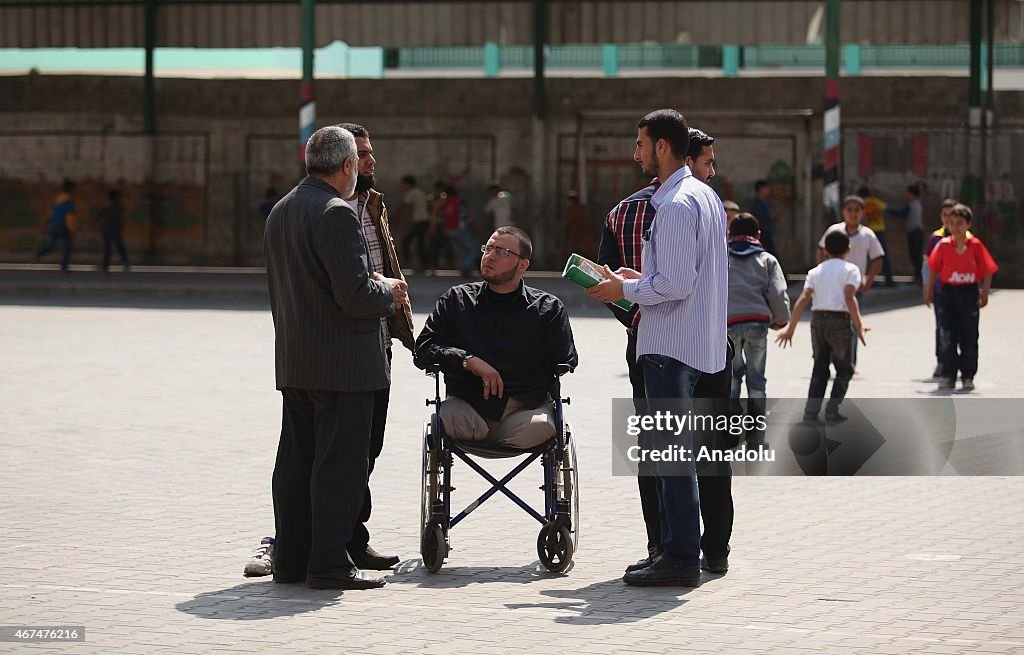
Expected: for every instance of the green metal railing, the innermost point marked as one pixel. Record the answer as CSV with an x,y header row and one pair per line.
x,y
672,55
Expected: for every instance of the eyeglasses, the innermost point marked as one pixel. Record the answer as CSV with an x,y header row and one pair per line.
x,y
502,252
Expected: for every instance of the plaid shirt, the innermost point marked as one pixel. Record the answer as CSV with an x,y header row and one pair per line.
x,y
376,252
622,240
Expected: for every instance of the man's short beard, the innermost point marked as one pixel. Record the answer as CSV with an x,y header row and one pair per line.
x,y
364,183
499,278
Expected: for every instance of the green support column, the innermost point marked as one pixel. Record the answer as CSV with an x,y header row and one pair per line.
x,y
852,59
990,29
307,102
730,60
492,59
974,79
610,59
540,41
148,83
831,158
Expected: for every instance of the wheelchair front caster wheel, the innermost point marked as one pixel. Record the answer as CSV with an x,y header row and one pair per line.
x,y
554,547
433,547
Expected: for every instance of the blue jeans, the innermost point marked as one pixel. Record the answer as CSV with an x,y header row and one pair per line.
x,y
469,258
54,234
672,382
751,342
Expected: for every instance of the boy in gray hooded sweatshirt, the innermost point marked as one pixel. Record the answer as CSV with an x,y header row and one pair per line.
x,y
757,301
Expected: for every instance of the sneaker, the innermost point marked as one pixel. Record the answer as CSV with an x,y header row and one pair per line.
x,y
946,383
262,560
834,418
968,384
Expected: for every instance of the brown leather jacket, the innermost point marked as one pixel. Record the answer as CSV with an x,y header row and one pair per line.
x,y
399,325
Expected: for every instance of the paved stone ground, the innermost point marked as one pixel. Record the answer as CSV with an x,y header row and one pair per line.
x,y
136,449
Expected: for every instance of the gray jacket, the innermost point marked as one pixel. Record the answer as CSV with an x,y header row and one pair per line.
x,y
757,285
325,305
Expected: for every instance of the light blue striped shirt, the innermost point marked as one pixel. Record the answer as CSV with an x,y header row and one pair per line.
x,y
683,294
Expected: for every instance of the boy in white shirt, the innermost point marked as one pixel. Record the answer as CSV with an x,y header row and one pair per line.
x,y
866,251
831,290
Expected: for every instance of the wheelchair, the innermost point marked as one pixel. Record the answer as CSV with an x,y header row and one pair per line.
x,y
559,533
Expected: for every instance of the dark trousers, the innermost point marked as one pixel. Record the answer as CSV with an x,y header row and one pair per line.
x,y
830,342
958,334
937,307
418,233
361,535
915,245
715,491
53,235
886,261
111,240
319,480
441,241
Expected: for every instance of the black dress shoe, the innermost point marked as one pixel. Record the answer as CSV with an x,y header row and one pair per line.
x,y
641,564
371,560
663,574
355,579
285,578
715,565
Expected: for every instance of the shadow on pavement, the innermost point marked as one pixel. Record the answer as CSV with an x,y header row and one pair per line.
x,y
255,601
609,602
412,571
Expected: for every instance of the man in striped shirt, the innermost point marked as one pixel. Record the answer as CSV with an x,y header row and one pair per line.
x,y
682,296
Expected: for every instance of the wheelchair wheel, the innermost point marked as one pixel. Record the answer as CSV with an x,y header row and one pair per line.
x,y
427,481
554,547
433,547
568,482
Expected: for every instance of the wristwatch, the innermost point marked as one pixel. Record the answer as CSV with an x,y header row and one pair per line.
x,y
465,361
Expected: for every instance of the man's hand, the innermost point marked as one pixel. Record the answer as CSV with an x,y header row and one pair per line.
x,y
493,384
982,299
399,289
785,338
862,332
609,289
866,286
627,273
928,294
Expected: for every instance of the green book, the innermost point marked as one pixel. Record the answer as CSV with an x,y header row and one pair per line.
x,y
586,273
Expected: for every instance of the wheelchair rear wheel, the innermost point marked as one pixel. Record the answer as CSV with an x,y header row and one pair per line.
x,y
568,483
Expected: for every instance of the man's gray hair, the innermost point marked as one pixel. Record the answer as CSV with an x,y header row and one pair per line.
x,y
328,149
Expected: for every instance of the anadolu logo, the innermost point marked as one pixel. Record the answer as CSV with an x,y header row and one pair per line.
x,y
962,278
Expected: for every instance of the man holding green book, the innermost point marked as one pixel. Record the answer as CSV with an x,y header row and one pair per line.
x,y
682,296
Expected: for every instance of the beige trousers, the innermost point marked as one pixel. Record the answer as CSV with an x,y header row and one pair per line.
x,y
519,427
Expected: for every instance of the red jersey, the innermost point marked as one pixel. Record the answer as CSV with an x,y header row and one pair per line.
x,y
956,268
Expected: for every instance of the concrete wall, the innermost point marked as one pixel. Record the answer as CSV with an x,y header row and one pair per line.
x,y
193,194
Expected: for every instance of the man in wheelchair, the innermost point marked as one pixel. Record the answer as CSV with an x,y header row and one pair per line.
x,y
500,345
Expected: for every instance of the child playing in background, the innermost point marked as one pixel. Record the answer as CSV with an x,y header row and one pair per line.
x,y
831,290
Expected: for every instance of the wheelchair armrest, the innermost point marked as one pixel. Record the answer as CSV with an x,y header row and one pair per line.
x,y
562,369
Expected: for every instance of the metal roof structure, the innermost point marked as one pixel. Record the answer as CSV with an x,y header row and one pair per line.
x,y
389,23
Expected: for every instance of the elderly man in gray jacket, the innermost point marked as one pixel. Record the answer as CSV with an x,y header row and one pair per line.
x,y
757,301
327,303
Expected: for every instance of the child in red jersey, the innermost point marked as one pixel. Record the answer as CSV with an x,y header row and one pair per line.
x,y
962,263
